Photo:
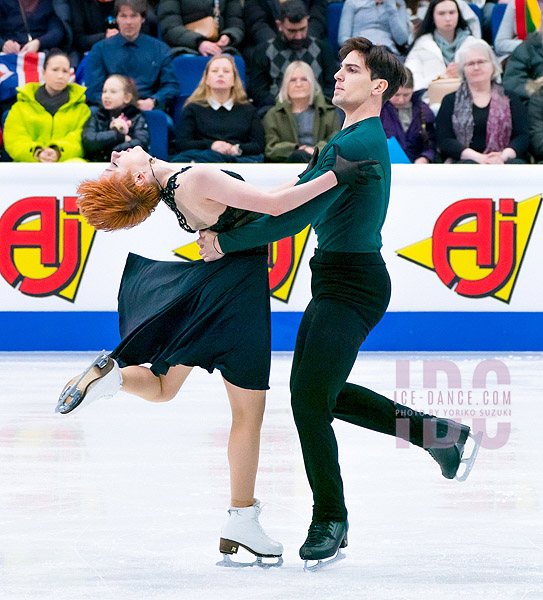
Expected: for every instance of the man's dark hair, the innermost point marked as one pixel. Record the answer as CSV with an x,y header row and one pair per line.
x,y
52,53
428,24
381,63
138,6
293,10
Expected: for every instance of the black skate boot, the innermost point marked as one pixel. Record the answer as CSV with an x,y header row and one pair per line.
x,y
324,540
450,458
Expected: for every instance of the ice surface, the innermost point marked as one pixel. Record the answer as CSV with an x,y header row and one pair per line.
x,y
125,499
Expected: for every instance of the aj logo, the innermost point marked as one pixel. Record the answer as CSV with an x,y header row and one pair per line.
x,y
284,259
43,249
478,250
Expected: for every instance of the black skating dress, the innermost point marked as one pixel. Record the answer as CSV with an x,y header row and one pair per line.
x,y
214,315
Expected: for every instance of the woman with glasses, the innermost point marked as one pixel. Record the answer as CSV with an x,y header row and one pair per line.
x,y
481,122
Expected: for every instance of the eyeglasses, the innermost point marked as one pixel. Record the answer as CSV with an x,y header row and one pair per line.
x,y
475,63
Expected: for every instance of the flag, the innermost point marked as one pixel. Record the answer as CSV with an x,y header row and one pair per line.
x,y
528,17
17,70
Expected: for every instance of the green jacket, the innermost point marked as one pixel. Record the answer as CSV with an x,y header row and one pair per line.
x,y
524,66
282,132
29,126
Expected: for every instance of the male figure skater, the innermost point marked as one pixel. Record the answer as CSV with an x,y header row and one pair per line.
x,y
350,293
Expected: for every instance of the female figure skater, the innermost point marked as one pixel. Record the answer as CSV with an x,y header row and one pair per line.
x,y
178,315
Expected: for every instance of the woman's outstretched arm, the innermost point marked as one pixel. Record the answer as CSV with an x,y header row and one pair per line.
x,y
211,183
207,182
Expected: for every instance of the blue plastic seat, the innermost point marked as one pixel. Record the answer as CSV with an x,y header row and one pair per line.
x,y
396,152
80,71
157,121
496,18
478,12
334,15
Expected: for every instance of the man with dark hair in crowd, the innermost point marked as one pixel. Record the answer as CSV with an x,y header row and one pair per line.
x,y
270,59
141,57
261,18
94,20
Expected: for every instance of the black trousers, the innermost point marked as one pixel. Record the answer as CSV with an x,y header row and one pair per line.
x,y
350,294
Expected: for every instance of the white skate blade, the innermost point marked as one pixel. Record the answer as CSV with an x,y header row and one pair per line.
x,y
321,563
469,461
258,562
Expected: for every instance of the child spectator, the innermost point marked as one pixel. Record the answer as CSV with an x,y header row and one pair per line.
x,y
118,124
411,122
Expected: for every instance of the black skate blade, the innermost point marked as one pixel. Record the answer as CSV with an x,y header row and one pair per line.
x,y
321,563
258,562
469,461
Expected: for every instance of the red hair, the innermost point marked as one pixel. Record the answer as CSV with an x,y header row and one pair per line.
x,y
116,202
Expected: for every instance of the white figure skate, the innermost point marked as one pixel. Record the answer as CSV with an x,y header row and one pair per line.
x,y
101,379
243,529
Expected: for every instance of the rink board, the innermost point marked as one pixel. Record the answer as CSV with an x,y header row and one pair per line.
x,y
462,245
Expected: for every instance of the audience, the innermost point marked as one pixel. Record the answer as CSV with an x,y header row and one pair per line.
x,y
525,66
118,124
290,69
219,124
515,27
271,58
94,20
301,119
411,122
482,123
442,33
137,55
262,16
383,22
46,22
46,121
206,27
416,9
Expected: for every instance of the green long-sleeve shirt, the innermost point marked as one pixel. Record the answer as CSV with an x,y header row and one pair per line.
x,y
345,220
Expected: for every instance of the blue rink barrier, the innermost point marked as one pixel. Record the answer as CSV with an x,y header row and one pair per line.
x,y
398,331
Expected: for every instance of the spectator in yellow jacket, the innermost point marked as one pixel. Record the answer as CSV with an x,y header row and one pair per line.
x,y
46,122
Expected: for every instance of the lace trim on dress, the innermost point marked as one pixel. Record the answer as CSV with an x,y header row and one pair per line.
x,y
167,195
229,219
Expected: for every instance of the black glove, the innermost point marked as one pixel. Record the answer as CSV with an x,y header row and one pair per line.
x,y
312,162
353,172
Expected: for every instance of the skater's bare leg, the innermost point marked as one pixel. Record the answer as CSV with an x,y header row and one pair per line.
x,y
242,527
244,443
140,381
